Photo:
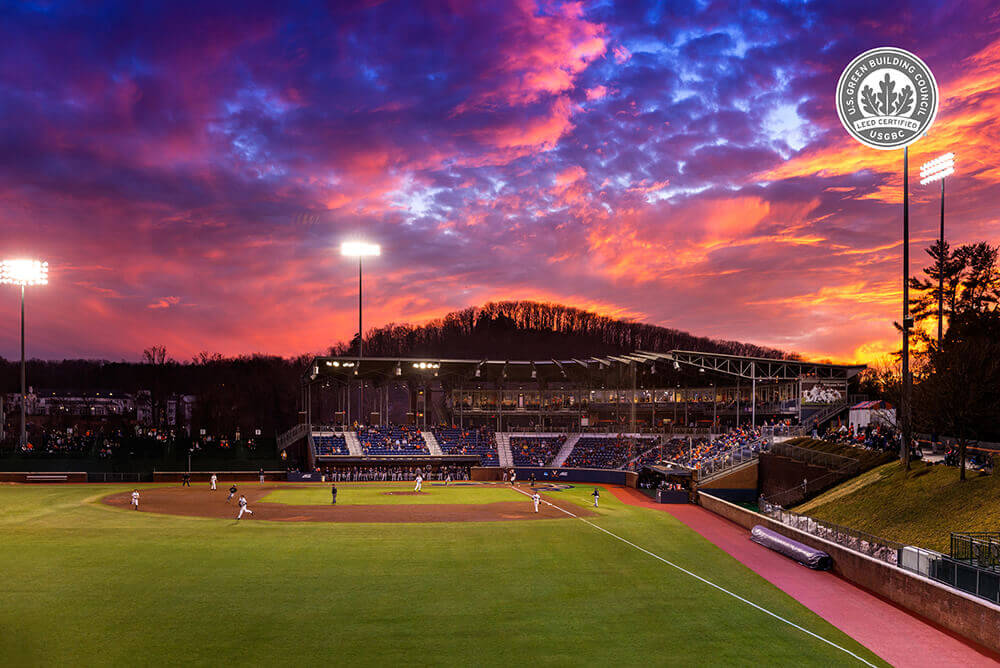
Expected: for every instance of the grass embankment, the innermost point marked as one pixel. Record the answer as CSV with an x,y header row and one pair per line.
x,y
87,584
867,458
918,508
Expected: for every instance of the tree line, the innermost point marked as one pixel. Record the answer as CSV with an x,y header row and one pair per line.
x,y
534,330
956,383
251,392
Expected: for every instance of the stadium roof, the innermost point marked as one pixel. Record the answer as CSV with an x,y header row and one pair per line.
x,y
590,369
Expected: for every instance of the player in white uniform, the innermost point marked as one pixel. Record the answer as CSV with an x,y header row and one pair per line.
x,y
135,499
420,483
243,507
513,477
536,498
596,494
214,480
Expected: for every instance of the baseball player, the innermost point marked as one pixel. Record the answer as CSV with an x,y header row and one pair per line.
x,y
333,490
535,498
243,507
596,494
232,493
135,499
186,480
214,479
262,476
420,483
513,477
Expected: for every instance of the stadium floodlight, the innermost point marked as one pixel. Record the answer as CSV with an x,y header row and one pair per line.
x,y
359,249
23,273
937,169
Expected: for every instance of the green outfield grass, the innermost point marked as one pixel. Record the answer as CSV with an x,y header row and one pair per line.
x,y
86,584
375,494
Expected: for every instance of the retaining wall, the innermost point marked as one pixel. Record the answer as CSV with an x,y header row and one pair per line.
x,y
965,615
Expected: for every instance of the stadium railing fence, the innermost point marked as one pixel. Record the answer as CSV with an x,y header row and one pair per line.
x,y
965,576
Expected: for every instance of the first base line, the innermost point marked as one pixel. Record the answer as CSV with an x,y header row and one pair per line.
x,y
708,582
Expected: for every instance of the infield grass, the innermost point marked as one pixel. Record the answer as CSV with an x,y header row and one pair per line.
x,y
87,584
387,493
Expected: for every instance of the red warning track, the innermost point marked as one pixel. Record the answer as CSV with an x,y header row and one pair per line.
x,y
899,637
197,502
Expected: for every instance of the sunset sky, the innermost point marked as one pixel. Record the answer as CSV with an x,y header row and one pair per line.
x,y
189,170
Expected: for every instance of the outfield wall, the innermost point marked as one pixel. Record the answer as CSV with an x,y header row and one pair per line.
x,y
545,474
43,476
967,616
227,476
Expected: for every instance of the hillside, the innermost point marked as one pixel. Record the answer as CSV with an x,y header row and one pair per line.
x,y
920,508
532,329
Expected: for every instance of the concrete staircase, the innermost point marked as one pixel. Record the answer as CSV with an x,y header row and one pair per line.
x,y
565,451
503,450
353,444
432,443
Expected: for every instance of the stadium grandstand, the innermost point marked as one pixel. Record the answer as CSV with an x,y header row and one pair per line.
x,y
615,413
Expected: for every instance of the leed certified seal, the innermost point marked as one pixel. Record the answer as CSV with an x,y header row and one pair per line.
x,y
887,98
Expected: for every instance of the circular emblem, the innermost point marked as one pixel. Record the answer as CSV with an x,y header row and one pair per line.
x,y
887,98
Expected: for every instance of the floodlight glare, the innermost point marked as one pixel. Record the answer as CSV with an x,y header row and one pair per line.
x,y
24,272
937,169
359,249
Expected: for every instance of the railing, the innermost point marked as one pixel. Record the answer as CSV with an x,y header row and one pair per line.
x,y
782,430
980,582
979,548
858,541
289,437
827,413
827,460
731,458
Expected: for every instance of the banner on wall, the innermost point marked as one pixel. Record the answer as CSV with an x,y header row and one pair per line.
x,y
823,392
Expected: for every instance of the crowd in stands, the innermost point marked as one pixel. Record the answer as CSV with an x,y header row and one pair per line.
x,y
331,445
694,453
82,441
606,452
472,441
393,473
392,440
535,450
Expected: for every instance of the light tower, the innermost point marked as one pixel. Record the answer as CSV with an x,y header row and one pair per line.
x,y
932,171
24,273
360,250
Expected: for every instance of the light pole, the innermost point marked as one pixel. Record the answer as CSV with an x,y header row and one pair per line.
x,y
360,250
932,171
24,273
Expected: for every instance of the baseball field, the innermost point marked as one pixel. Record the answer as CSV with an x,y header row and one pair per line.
x,y
467,574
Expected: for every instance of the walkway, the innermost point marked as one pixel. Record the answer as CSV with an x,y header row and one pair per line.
x,y
899,637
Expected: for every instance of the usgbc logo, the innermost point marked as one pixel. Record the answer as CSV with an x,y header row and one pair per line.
x,y
887,98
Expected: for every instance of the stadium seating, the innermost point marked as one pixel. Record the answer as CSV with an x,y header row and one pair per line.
x,y
330,445
535,450
605,452
455,441
392,440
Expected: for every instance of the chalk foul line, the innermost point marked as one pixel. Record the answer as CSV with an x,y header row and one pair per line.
x,y
701,579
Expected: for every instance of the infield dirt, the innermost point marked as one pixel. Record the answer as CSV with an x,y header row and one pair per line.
x,y
195,502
